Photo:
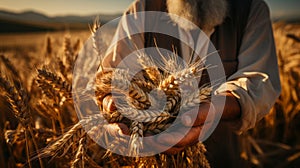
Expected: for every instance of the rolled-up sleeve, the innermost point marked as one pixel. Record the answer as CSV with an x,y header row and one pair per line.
x,y
256,84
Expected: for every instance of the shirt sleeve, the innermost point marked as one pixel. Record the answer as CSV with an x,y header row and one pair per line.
x,y
128,36
256,84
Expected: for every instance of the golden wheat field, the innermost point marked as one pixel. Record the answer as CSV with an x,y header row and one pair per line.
x,y
40,128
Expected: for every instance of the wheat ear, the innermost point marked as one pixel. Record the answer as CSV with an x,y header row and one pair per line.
x,y
56,82
135,142
69,54
64,143
72,136
19,101
195,98
97,42
11,68
144,115
80,154
104,84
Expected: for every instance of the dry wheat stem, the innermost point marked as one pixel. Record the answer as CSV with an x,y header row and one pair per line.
x,y
64,142
46,110
71,136
97,43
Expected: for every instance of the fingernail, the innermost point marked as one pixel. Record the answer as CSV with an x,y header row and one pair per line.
x,y
109,103
187,120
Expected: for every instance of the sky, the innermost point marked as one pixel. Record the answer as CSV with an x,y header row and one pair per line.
x,y
284,8
279,8
65,7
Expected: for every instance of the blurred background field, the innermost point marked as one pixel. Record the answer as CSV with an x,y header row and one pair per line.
x,y
275,141
29,41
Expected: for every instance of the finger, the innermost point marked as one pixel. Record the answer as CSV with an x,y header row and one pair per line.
x,y
199,116
112,133
174,150
153,147
108,104
180,138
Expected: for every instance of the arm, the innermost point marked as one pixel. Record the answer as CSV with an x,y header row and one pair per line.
x,y
232,108
250,92
256,84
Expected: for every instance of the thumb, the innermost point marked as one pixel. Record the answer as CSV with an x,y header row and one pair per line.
x,y
108,104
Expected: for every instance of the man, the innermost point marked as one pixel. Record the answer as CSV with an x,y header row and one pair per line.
x,y
242,32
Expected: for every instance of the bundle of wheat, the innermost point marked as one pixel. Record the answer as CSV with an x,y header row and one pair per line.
x,y
140,98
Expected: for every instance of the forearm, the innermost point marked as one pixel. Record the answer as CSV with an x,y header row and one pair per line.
x,y
231,109
256,84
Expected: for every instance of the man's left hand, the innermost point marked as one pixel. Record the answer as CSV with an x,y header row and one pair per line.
x,y
189,133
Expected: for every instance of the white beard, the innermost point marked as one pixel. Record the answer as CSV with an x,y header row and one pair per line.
x,y
205,14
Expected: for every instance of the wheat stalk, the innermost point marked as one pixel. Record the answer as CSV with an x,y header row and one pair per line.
x,y
11,68
195,98
80,154
49,47
72,136
69,54
19,101
62,87
64,143
135,142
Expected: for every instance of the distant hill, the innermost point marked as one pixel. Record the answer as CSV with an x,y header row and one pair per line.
x,y
31,21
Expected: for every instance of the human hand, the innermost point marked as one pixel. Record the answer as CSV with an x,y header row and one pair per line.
x,y
190,131
109,107
108,104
